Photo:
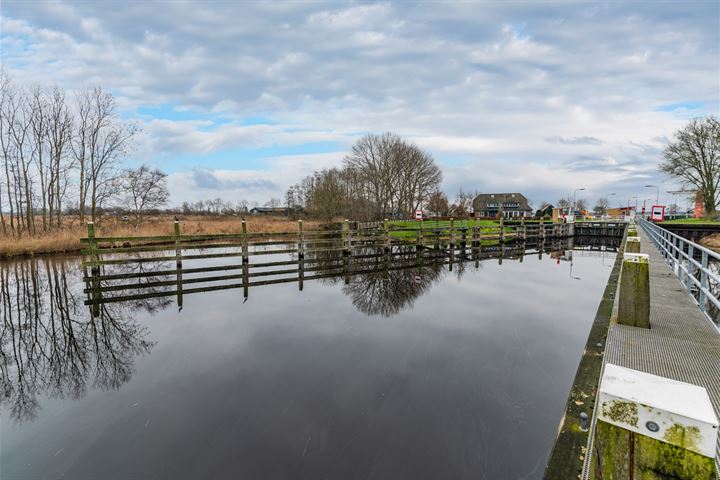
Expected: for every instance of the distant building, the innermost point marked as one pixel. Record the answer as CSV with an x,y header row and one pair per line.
x,y
512,205
545,211
620,211
269,211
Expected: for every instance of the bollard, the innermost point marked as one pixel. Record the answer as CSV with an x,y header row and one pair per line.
x,y
650,427
632,245
178,251
346,236
634,302
301,240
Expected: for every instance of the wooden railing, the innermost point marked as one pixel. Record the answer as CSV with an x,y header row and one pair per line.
x,y
427,234
134,268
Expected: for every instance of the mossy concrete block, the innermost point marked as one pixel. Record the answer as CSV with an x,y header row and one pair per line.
x,y
650,427
632,245
632,233
620,454
634,302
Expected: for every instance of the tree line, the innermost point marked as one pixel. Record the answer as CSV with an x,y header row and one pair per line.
x,y
61,151
382,176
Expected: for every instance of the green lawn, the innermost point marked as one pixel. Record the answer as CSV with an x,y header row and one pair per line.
x,y
428,224
409,228
694,221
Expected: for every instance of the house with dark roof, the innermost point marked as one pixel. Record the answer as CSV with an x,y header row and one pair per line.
x,y
270,211
545,211
510,205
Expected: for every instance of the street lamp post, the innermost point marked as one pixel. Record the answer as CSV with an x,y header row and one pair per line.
x,y
609,195
630,198
657,193
573,205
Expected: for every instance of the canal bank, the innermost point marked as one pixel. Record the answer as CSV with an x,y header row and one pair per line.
x,y
568,454
681,344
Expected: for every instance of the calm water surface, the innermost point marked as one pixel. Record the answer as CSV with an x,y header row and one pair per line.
x,y
411,374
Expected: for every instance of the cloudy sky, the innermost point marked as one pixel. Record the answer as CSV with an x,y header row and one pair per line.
x,y
239,99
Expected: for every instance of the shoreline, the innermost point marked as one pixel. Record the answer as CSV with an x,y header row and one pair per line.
x,y
67,240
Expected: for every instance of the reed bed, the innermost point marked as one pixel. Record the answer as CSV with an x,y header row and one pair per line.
x,y
67,240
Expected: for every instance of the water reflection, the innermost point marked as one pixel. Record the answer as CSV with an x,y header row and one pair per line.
x,y
66,330
51,346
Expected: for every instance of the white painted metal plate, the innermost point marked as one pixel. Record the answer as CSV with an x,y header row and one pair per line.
x,y
636,257
667,410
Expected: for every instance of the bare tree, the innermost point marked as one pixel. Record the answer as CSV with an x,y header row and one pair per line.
x,y
390,175
101,140
273,202
37,117
144,189
438,203
5,150
601,206
462,205
59,136
18,151
326,194
694,158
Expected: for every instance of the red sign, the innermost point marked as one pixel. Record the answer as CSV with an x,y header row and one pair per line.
x,y
657,214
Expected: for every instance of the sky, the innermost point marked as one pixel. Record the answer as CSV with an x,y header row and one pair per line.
x,y
240,100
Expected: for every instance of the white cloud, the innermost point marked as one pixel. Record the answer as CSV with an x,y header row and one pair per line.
x,y
483,86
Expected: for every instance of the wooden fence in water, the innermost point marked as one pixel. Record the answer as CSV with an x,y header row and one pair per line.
x,y
341,250
351,235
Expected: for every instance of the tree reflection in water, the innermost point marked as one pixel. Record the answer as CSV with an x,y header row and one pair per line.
x,y
386,285
51,345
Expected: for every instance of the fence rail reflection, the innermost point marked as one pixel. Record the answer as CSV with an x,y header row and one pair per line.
x,y
158,277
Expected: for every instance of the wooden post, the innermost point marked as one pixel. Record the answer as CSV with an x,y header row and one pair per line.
x,y
244,242
178,254
301,240
523,228
502,230
301,272
541,231
94,257
634,301
94,270
386,235
346,269
245,261
346,236
178,264
452,233
421,235
632,245
640,434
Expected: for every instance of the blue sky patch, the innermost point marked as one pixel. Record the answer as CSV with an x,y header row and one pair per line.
x,y
680,106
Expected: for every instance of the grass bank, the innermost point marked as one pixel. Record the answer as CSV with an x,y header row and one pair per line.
x,y
67,240
408,228
692,221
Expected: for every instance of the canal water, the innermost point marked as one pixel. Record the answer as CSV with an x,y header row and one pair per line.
x,y
421,373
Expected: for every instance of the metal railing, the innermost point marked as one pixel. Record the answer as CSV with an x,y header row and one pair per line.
x,y
692,263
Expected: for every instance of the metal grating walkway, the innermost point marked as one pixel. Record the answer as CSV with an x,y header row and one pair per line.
x,y
681,343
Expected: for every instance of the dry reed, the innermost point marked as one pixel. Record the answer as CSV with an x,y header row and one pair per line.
x,y
68,239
